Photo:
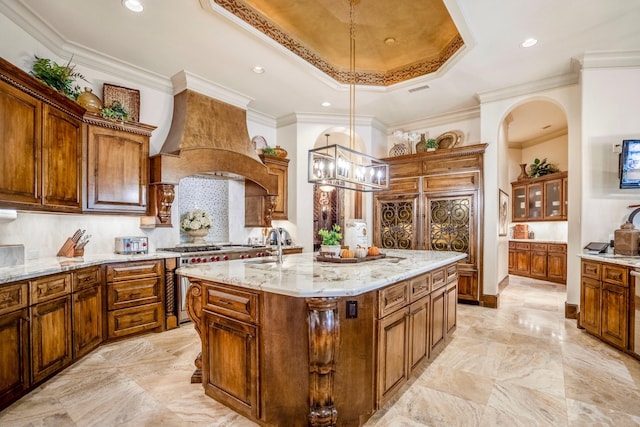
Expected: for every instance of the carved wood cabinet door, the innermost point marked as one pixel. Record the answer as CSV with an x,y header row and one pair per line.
x,y
396,222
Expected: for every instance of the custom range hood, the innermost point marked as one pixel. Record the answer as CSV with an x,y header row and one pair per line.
x,y
208,136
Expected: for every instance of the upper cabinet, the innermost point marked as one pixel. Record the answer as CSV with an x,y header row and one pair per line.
x,y
57,158
280,167
117,157
540,199
41,136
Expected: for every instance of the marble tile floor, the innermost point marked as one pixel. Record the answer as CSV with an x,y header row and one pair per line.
x,y
520,365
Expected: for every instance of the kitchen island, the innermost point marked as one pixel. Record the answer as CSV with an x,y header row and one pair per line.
x,y
319,343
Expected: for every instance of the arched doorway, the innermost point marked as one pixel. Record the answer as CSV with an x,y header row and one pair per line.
x,y
535,129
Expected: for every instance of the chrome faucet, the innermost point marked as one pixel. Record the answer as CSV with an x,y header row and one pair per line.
x,y
279,244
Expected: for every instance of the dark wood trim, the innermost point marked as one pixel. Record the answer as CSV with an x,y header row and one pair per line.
x,y
570,310
491,301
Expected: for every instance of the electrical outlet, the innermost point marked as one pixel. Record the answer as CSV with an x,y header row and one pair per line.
x,y
617,148
352,309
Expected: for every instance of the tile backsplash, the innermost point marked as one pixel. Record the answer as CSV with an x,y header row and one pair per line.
x,y
210,195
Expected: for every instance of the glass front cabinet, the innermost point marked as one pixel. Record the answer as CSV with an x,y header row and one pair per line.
x,y
540,199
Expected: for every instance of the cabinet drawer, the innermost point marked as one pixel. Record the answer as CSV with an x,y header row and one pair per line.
x,y
235,303
392,298
590,269
451,164
50,287
523,246
135,319
452,273
133,293
438,278
556,247
615,275
403,186
463,181
133,270
13,297
86,278
419,286
540,247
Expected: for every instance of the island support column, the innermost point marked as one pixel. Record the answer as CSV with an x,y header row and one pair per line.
x,y
194,310
322,317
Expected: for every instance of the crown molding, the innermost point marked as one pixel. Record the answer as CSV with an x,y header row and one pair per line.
x,y
330,119
42,32
529,88
183,80
540,139
261,118
611,59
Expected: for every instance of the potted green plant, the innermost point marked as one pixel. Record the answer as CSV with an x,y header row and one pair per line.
x,y
59,77
269,151
116,112
431,144
540,168
331,240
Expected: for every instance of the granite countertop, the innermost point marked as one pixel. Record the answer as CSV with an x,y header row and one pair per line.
x,y
301,275
627,260
560,242
52,265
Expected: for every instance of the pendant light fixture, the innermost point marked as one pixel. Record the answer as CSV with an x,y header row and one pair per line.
x,y
338,166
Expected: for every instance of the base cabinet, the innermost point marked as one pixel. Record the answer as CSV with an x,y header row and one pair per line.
x,y
50,337
604,301
231,347
393,352
14,356
135,291
543,261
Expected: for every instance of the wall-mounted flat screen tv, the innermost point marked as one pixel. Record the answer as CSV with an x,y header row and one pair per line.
x,y
630,164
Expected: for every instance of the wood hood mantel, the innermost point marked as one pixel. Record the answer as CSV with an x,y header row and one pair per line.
x,y
207,137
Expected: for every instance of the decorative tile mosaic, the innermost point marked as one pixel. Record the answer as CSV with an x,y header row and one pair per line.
x,y
210,195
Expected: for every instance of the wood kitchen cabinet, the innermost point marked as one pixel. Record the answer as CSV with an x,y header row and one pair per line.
x,y
604,301
231,329
51,337
543,261
280,167
434,202
135,295
260,208
14,336
540,199
87,286
41,165
117,157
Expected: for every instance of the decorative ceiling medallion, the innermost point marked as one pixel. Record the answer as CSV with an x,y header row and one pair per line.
x,y
364,77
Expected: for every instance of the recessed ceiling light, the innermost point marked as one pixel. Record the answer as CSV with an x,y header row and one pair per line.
x,y
326,104
258,69
529,42
133,5
389,41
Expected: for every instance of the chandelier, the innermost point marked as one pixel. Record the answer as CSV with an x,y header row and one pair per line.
x,y
339,166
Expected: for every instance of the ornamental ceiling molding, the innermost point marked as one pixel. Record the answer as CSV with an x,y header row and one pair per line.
x,y
370,78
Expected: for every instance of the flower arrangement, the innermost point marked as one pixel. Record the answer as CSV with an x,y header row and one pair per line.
x,y
58,77
331,237
116,111
195,220
541,167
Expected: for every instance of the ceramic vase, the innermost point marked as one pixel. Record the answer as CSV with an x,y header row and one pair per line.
x,y
197,236
523,172
90,101
333,249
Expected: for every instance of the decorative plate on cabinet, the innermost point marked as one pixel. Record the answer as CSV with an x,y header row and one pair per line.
x,y
259,143
449,139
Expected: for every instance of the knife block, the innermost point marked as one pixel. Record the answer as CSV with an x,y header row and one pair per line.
x,y
69,249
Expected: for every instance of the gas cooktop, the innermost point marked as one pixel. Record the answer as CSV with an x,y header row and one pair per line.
x,y
192,248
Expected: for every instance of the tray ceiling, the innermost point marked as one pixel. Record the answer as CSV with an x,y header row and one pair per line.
x,y
395,41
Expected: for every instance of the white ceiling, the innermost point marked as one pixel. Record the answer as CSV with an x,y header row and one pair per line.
x,y
173,35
